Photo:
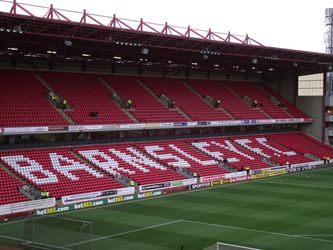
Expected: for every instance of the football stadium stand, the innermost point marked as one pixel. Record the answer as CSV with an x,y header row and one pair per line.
x,y
83,169
86,95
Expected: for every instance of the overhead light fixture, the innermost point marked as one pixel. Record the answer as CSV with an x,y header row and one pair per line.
x,y
216,65
194,63
329,68
253,68
51,52
295,64
68,43
272,57
12,49
169,61
117,57
204,56
254,60
270,69
145,51
86,55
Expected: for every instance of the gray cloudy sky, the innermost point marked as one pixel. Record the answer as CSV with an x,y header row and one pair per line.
x,y
294,24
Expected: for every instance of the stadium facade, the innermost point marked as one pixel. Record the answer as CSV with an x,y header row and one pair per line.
x,y
103,109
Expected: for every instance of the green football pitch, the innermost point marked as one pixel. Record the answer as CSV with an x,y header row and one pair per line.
x,y
294,211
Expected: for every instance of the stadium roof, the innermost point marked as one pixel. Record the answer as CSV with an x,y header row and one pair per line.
x,y
35,32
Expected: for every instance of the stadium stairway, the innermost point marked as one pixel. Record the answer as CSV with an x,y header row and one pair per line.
x,y
129,114
303,144
186,100
56,171
179,155
158,99
86,95
23,101
270,151
225,148
229,100
268,92
203,99
251,90
50,89
290,108
126,160
10,184
264,115
182,171
221,164
145,106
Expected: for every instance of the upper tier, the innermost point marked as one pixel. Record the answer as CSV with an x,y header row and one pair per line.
x,y
24,100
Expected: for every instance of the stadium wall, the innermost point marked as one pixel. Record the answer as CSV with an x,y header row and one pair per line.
x,y
285,87
312,105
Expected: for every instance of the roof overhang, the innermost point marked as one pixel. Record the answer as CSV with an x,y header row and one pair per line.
x,y
146,44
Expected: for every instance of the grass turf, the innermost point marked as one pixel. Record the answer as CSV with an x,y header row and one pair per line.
x,y
289,212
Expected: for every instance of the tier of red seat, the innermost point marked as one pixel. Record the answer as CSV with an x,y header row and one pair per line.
x,y
229,101
251,89
61,171
23,101
9,191
303,144
194,106
145,107
290,108
85,94
271,150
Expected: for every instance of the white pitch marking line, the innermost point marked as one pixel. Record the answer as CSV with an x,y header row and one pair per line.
x,y
22,240
257,230
127,232
237,246
296,184
316,235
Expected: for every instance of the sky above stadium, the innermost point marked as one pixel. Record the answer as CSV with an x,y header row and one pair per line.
x,y
293,24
